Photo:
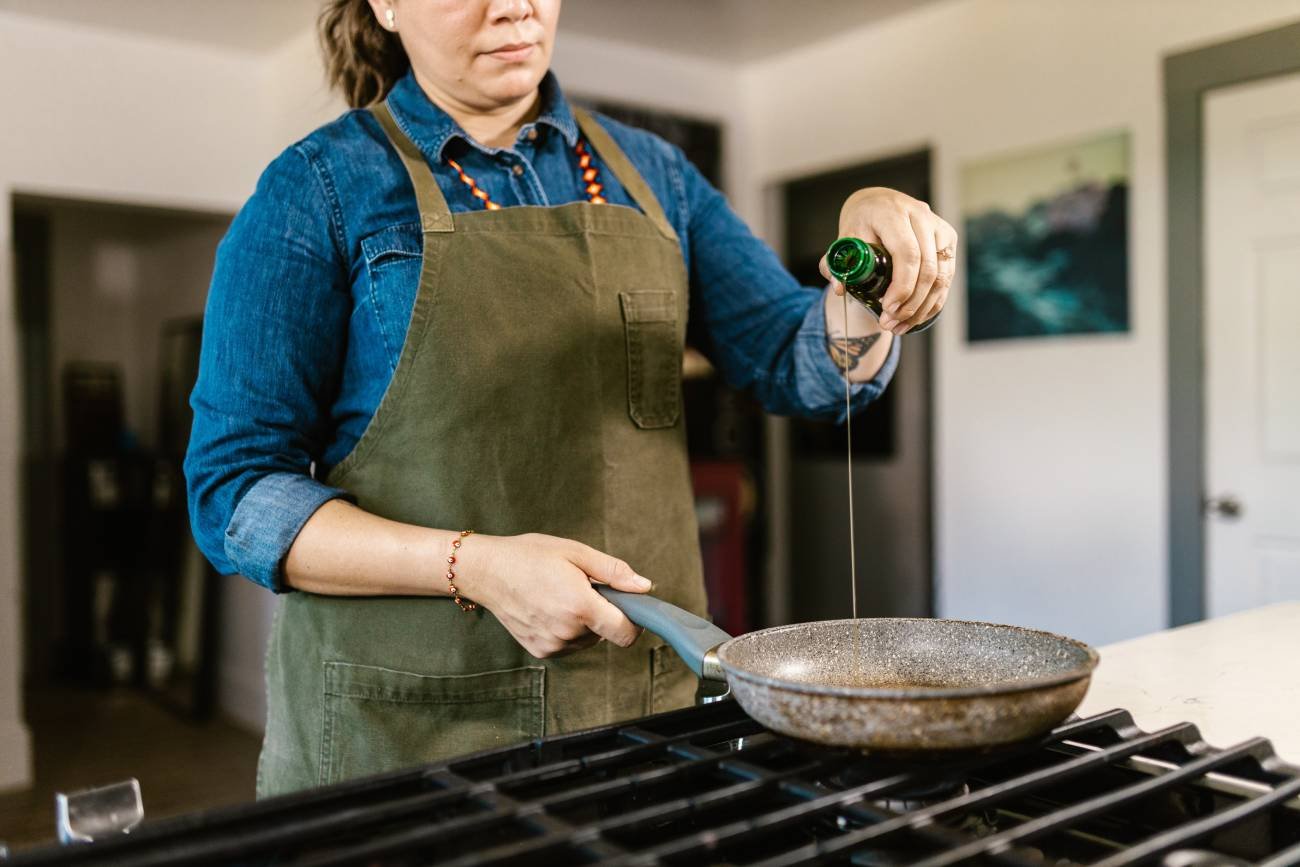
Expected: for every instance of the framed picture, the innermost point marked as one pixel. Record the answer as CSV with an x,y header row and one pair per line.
x,y
1046,241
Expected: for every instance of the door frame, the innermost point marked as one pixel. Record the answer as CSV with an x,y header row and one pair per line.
x,y
780,429
1188,76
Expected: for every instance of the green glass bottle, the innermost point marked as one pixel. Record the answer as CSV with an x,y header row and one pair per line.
x,y
865,270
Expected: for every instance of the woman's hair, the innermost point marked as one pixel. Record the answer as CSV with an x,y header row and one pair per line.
x,y
362,59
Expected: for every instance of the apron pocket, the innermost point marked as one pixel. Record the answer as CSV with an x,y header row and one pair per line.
x,y
672,684
378,719
654,358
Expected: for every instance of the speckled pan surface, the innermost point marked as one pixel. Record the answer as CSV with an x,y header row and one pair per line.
x,y
907,684
906,656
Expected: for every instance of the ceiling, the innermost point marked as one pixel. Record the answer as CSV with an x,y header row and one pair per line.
x,y
729,30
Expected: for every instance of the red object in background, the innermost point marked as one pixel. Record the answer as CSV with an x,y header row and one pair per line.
x,y
724,499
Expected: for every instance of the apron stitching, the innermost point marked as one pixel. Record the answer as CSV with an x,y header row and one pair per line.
x,y
327,731
597,283
539,713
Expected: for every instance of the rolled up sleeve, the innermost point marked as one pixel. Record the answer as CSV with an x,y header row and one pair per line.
x,y
821,382
274,336
267,521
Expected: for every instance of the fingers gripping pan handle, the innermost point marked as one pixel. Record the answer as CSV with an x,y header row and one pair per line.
x,y
694,638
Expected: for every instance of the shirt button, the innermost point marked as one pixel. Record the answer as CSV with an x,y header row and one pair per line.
x,y
518,170
532,135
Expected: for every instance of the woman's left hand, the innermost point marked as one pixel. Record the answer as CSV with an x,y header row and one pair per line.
x,y
921,244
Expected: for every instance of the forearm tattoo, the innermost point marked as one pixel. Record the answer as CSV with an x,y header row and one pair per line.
x,y
848,352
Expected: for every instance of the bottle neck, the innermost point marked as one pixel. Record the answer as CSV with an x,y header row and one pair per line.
x,y
851,260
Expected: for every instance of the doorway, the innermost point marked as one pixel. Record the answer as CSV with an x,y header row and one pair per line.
x,y
1252,359
121,613
1194,505
110,299
891,440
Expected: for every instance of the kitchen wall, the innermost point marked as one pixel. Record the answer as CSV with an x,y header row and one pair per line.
x,y
1051,456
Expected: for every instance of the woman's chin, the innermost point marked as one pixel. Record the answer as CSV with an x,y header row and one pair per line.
x,y
513,83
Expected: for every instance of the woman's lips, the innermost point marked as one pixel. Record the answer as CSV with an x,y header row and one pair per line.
x,y
513,53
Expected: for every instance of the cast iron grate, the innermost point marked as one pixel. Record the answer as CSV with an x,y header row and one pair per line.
x,y
709,786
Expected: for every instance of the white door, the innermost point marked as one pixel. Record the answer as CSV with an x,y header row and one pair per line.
x,y
1251,245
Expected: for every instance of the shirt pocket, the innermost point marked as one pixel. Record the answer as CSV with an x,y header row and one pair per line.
x,y
654,358
379,719
393,257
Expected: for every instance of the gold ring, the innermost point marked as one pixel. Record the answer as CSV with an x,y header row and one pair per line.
x,y
946,252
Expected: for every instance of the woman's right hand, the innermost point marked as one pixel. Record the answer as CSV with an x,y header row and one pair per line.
x,y
539,587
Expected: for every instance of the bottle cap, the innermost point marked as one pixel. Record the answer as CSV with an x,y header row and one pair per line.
x,y
850,260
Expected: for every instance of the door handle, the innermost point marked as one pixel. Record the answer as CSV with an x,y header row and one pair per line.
x,y
1226,506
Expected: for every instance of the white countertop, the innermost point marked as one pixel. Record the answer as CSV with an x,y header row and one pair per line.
x,y
1235,677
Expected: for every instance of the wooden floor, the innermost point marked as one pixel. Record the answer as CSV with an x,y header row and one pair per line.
x,y
85,738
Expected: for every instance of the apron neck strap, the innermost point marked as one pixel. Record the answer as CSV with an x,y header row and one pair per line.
x,y
435,216
622,167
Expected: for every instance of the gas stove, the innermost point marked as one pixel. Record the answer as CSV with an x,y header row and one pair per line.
x,y
709,786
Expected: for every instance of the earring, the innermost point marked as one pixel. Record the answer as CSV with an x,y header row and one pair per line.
x,y
390,18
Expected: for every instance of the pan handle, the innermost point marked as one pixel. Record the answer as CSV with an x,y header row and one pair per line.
x,y
694,638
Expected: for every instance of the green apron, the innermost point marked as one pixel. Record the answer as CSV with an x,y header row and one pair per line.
x,y
539,390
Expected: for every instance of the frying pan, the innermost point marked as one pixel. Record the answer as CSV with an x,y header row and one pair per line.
x,y
896,685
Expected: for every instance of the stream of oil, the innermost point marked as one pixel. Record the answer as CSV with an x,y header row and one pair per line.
x,y
853,557
848,436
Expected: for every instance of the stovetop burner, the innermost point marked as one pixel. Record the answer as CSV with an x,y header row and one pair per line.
x,y
709,786
910,799
919,786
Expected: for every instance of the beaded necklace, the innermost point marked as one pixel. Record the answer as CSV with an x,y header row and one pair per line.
x,y
585,166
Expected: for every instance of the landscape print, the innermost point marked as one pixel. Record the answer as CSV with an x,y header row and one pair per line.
x,y
1046,241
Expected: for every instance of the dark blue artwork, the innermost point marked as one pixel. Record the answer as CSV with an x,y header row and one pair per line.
x,y
1049,261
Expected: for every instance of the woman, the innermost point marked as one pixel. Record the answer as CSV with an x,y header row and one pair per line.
x,y
396,355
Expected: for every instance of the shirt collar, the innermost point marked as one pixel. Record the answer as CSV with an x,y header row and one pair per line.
x,y
432,129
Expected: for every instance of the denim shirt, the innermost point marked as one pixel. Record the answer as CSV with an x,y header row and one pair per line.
x,y
316,278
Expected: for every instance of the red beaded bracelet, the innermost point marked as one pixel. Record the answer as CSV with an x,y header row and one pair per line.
x,y
465,605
